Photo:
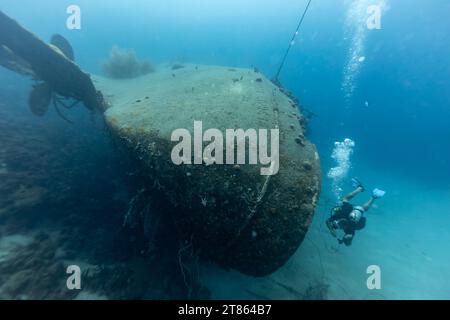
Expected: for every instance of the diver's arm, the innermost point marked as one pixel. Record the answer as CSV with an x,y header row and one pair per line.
x,y
346,239
368,204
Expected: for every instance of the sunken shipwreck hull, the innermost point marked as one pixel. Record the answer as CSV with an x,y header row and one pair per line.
x,y
232,214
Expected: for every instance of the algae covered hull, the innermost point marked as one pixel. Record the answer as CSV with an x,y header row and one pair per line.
x,y
233,214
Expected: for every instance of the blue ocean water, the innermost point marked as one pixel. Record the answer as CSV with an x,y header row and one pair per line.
x,y
396,108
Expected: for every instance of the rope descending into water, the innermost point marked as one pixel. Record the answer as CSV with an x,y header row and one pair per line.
x,y
292,42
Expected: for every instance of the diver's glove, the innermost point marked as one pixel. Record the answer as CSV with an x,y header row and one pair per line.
x,y
357,184
377,193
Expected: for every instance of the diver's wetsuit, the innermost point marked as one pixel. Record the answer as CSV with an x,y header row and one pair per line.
x,y
340,216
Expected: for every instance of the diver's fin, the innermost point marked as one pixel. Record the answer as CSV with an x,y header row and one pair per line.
x,y
377,193
62,44
357,184
39,99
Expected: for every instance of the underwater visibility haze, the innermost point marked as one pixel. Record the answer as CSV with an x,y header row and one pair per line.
x,y
295,149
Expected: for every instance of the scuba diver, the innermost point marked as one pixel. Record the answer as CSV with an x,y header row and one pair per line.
x,y
350,218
